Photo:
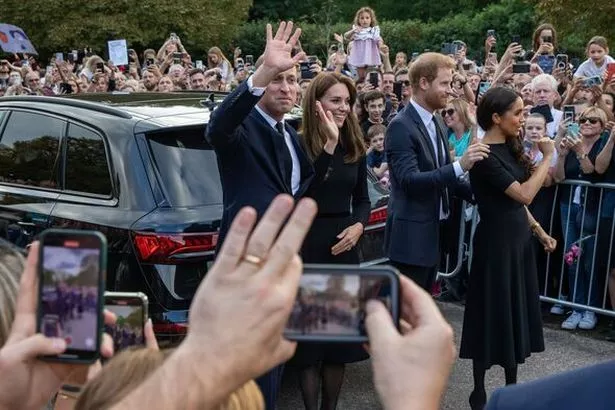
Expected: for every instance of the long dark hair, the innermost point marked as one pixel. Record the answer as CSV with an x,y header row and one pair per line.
x,y
499,100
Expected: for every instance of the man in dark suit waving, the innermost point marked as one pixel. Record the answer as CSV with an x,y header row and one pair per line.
x,y
422,174
259,156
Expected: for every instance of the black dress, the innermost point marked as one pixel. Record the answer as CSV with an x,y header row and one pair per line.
x,y
340,190
502,323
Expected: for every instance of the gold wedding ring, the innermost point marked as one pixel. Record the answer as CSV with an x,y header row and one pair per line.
x,y
254,260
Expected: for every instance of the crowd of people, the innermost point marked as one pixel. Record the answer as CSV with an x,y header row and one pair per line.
x,y
500,133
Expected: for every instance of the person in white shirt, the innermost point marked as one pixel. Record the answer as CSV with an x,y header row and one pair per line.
x,y
598,58
545,92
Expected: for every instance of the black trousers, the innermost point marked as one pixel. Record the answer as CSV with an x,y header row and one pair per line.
x,y
425,276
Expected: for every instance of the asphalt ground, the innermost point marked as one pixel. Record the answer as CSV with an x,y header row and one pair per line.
x,y
564,351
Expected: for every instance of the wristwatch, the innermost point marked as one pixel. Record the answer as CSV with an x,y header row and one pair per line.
x,y
582,156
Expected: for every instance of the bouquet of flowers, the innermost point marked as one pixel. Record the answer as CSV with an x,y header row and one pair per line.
x,y
572,255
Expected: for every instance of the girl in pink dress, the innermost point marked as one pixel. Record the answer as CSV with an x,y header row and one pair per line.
x,y
364,50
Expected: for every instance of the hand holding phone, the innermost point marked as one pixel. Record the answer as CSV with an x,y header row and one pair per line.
x,y
131,311
72,266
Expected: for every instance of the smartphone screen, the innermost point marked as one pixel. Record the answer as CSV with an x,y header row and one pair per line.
x,y
306,72
71,269
569,112
250,59
130,308
330,304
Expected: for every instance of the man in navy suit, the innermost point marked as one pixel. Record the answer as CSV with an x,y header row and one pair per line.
x,y
585,388
259,156
421,172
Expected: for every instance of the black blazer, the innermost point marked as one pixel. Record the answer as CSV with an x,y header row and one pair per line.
x,y
586,388
250,170
412,228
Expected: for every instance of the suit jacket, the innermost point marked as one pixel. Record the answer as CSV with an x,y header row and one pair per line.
x,y
250,170
412,228
586,388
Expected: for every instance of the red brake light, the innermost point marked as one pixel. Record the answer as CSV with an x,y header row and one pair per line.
x,y
169,247
171,328
377,216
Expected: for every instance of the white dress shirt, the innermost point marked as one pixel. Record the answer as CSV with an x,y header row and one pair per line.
x,y
296,172
430,125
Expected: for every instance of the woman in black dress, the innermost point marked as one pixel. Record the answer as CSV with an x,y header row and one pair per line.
x,y
334,142
502,322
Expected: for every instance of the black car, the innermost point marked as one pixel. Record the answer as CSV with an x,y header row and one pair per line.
x,y
138,169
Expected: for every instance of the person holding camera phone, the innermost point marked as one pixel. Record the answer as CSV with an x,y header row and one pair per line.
x,y
258,155
334,143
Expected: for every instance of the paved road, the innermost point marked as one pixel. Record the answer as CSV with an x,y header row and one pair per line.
x,y
81,330
564,351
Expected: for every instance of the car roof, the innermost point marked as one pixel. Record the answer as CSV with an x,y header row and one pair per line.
x,y
152,110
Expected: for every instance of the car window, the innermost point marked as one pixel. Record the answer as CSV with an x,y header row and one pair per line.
x,y
187,167
29,149
87,169
378,191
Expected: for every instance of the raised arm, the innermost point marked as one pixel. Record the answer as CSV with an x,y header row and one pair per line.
x,y
606,155
525,192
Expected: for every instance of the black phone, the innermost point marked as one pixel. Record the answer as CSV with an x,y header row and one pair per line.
x,y
177,57
515,39
100,67
66,88
149,62
330,303
306,72
250,59
491,33
71,268
522,67
130,308
544,110
397,89
373,79
575,62
569,112
547,39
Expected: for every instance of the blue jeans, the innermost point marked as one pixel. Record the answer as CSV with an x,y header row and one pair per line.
x,y
571,228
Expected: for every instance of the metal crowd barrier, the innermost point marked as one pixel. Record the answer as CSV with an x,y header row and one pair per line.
x,y
592,241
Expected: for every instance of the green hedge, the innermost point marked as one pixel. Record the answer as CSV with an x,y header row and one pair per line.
x,y
507,18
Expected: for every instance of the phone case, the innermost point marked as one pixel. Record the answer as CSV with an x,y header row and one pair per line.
x,y
131,295
101,287
338,270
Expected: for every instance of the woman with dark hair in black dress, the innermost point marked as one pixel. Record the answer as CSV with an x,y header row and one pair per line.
x,y
502,321
334,142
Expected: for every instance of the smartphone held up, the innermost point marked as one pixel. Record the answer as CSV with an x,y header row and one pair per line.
x,y
330,303
71,269
130,309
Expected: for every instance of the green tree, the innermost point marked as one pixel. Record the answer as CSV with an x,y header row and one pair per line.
x,y
577,22
63,25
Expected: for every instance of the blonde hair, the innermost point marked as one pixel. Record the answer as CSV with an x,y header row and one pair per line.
x,y
312,132
369,11
462,108
221,58
594,111
427,66
132,367
11,266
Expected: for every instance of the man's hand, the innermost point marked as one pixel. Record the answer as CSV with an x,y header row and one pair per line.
x,y
32,382
476,152
241,297
422,353
277,57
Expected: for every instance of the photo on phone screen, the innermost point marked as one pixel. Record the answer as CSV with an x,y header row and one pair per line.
x,y
330,304
71,272
569,112
130,308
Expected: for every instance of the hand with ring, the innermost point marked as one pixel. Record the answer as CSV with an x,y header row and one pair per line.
x,y
348,239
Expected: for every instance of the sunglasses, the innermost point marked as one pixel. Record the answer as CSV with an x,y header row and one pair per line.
x,y
592,121
449,112
406,83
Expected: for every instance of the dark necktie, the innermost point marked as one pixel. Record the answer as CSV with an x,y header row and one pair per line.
x,y
283,154
441,162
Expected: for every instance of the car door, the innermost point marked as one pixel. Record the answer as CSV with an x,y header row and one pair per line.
x,y
29,170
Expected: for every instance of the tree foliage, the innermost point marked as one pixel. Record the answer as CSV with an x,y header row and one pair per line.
x,y
508,18
62,25
577,22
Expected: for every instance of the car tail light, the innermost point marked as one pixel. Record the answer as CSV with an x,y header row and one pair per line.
x,y
377,216
172,248
171,328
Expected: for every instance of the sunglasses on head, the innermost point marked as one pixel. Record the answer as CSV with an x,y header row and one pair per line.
x,y
592,121
449,112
